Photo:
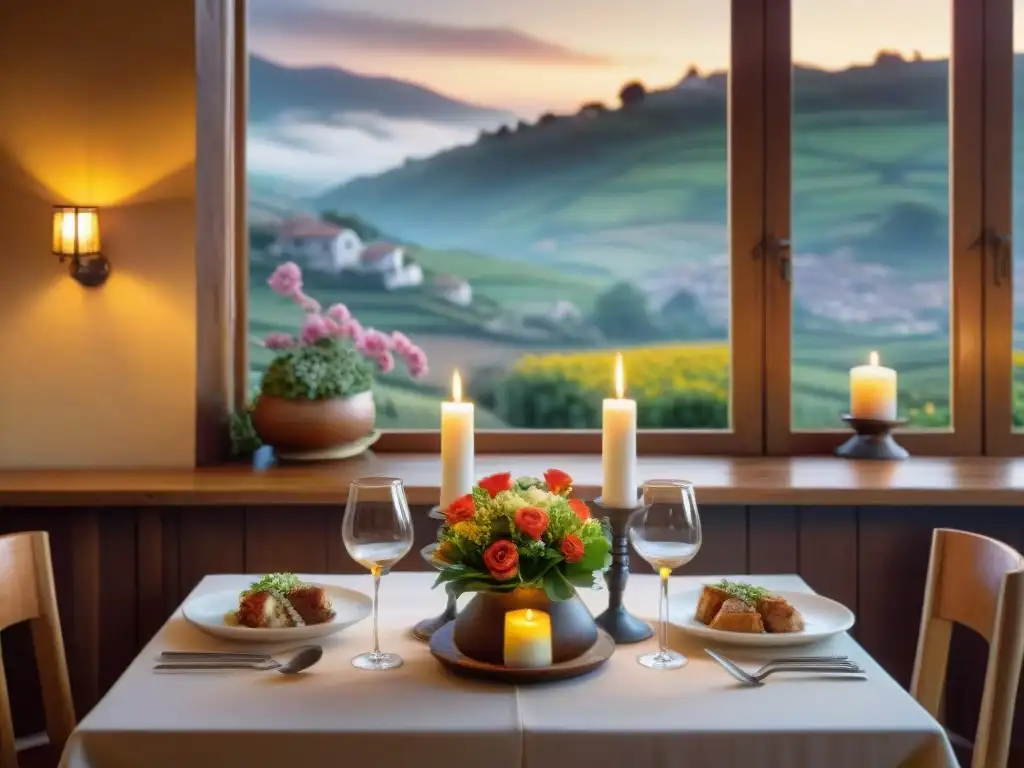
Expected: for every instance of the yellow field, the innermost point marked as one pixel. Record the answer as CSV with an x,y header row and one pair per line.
x,y
650,371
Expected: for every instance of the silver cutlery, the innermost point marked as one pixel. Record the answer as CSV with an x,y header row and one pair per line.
x,y
838,660
228,655
825,667
303,659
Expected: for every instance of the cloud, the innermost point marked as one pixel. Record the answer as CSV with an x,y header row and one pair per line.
x,y
356,29
318,155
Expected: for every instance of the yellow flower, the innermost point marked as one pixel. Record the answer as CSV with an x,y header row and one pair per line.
x,y
650,370
469,530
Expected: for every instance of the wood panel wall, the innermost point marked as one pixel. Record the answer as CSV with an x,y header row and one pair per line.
x,y
120,573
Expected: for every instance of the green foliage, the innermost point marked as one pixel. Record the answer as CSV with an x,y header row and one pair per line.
x,y
551,401
317,372
621,314
244,440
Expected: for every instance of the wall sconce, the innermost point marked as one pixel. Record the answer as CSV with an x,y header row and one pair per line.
x,y
76,235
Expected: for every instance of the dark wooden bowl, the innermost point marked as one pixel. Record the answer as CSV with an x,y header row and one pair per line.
x,y
442,646
479,630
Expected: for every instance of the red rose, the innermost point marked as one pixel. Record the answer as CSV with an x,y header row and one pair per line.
x,y
557,481
580,508
460,510
532,521
502,560
495,484
572,548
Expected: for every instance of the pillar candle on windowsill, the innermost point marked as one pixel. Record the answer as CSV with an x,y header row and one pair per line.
x,y
456,446
527,639
873,391
618,446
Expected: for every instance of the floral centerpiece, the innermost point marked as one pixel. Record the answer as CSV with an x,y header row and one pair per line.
x,y
317,391
527,533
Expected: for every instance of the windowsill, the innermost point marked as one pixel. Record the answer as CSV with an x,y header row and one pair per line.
x,y
806,481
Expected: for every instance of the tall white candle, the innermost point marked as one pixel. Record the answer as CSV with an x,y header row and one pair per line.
x,y
456,446
527,639
618,445
873,391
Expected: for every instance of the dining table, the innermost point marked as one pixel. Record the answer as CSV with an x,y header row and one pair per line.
x,y
421,714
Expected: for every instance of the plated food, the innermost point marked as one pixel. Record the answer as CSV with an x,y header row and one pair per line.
x,y
278,607
734,606
736,613
281,600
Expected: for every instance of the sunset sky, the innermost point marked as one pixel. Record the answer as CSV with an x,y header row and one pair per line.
x,y
532,55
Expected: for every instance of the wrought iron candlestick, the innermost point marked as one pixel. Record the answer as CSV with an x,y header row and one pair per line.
x,y
623,626
873,440
427,627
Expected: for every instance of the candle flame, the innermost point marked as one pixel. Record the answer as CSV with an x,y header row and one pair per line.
x,y
529,614
873,358
620,377
456,388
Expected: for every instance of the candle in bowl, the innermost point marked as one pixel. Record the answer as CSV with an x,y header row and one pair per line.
x,y
618,446
873,391
456,446
527,639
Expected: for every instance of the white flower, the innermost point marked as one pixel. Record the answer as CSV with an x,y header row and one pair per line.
x,y
538,496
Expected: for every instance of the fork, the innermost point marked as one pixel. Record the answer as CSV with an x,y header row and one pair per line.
x,y
834,667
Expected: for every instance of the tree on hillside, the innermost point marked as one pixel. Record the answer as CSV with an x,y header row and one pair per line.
x,y
620,313
888,58
632,94
692,72
503,131
547,118
367,232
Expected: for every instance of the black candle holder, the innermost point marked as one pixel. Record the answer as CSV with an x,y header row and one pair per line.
x,y
623,626
873,440
426,628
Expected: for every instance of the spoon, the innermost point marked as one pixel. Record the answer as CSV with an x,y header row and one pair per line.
x,y
303,659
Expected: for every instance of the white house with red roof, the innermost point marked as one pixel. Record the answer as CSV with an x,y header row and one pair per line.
x,y
391,262
453,289
320,245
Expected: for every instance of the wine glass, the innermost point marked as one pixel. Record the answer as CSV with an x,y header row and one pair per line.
x,y
665,531
377,531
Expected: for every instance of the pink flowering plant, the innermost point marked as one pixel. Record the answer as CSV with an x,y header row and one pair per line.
x,y
332,355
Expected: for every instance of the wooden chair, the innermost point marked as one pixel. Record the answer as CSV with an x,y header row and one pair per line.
x,y
27,594
977,582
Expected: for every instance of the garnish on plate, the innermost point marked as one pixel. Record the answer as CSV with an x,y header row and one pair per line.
x,y
280,600
748,593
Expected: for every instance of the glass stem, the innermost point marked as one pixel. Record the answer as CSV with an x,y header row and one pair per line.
x,y
663,613
376,592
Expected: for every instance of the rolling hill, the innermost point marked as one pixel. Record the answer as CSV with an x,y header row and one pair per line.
x,y
325,92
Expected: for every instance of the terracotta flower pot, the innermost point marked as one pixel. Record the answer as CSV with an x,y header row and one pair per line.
x,y
313,425
480,626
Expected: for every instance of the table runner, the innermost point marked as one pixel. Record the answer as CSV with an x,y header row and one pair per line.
x,y
420,715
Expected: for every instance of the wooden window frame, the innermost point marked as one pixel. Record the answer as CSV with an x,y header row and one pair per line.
x,y
1001,439
966,224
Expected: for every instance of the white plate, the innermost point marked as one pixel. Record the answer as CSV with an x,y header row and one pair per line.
x,y
208,612
822,618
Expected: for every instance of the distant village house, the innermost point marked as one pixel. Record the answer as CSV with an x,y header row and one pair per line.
x,y
453,289
391,263
320,245
325,247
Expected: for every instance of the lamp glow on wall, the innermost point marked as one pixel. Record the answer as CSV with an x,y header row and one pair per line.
x,y
76,236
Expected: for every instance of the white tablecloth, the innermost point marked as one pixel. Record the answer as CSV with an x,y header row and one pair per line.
x,y
419,715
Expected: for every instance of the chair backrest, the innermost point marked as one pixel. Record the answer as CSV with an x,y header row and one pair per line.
x,y
27,594
977,582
